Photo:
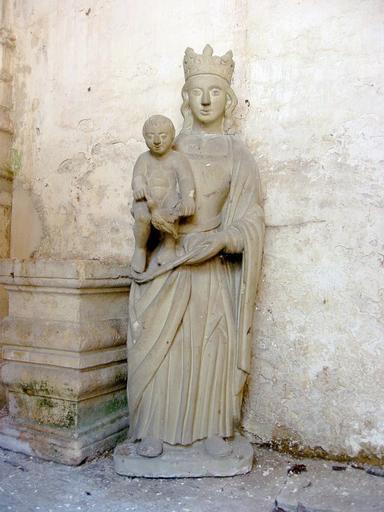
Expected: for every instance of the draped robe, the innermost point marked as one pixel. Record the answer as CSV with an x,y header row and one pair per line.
x,y
190,326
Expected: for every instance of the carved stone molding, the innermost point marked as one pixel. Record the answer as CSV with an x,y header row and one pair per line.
x,y
64,349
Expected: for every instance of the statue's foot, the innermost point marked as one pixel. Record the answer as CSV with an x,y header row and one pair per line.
x,y
139,260
217,447
150,447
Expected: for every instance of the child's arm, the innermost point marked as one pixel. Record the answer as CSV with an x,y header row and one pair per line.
x,y
139,181
186,185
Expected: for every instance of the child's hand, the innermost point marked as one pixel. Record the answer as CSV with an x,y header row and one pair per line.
x,y
139,193
139,185
187,207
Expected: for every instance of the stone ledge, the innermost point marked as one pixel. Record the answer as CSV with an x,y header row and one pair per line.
x,y
64,273
65,358
56,334
62,447
64,383
74,416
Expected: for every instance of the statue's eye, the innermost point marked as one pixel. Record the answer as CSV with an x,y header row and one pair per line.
x,y
215,92
163,135
196,92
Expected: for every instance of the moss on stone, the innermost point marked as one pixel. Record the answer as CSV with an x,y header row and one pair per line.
x,y
34,387
116,404
46,403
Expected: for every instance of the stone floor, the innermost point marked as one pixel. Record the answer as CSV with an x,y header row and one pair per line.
x,y
28,484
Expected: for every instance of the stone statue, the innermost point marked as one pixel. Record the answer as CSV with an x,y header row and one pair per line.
x,y
163,190
190,317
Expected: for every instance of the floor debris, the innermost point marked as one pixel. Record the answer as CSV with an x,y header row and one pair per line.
x,y
95,487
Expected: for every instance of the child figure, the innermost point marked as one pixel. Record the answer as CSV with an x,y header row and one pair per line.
x,y
163,190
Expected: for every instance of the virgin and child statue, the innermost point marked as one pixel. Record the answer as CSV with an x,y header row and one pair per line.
x,y
199,231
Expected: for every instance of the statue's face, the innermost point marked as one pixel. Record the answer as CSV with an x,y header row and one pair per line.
x,y
158,138
207,97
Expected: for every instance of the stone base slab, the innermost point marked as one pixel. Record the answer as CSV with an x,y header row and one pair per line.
x,y
184,461
65,448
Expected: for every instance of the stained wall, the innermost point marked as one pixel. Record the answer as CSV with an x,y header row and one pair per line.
x,y
310,87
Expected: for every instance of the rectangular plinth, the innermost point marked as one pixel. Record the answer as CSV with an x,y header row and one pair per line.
x,y
185,461
64,358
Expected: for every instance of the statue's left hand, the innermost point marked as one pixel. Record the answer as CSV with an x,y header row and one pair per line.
x,y
207,246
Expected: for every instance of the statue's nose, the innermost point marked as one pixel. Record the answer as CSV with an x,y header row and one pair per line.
x,y
156,140
206,98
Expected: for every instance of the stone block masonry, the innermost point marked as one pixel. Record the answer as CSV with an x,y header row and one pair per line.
x,y
65,357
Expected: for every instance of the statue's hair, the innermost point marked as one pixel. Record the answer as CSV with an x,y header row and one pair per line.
x,y
187,113
156,121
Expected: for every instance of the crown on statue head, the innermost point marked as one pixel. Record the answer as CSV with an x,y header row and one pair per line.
x,y
207,63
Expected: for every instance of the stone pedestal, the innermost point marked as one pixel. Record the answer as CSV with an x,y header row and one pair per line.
x,y
184,461
65,357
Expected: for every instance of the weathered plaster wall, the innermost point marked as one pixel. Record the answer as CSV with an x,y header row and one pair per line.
x,y
316,127
309,81
89,74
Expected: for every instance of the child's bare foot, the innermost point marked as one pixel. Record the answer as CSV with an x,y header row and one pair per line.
x,y
139,260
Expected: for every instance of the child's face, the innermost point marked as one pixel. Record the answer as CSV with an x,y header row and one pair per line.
x,y
158,139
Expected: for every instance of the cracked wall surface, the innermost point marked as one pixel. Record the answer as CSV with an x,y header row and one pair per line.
x,y
310,86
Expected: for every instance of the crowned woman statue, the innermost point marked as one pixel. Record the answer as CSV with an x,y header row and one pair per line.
x,y
190,319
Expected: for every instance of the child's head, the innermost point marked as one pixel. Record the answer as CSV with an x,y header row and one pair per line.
x,y
158,132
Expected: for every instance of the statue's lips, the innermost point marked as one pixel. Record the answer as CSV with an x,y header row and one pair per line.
x,y
205,112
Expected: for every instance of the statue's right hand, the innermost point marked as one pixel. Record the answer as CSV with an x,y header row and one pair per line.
x,y
192,240
139,194
207,247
